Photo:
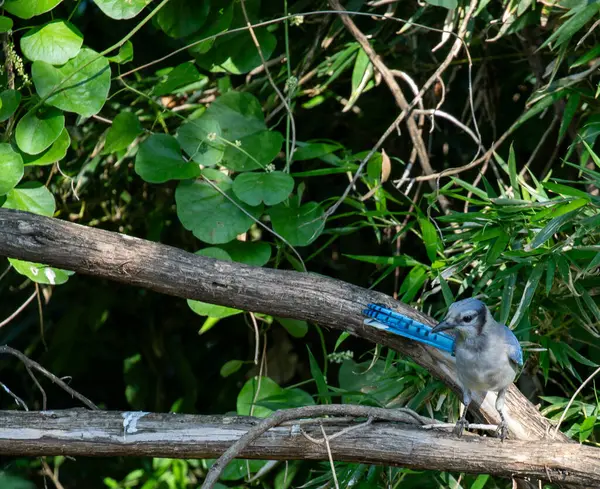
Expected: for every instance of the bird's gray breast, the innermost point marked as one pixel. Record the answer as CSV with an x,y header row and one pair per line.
x,y
483,365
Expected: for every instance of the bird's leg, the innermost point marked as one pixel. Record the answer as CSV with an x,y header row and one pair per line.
x,y
502,430
462,424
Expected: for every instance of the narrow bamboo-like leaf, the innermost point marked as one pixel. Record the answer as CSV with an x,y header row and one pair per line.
x,y
341,339
550,229
319,378
471,188
430,238
559,188
528,292
512,172
594,156
397,261
550,269
570,110
578,356
497,248
566,31
507,296
446,291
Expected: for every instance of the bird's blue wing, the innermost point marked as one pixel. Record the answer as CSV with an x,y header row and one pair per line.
x,y
396,323
514,348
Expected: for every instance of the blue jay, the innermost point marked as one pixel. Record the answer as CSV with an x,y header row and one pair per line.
x,y
487,353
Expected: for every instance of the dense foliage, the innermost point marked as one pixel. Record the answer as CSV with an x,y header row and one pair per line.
x,y
164,121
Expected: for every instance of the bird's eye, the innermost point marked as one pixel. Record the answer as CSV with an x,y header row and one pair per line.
x,y
468,318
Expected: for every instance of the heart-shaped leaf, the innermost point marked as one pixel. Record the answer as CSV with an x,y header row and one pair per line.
x,y
270,188
211,216
6,24
42,274
125,128
55,42
255,253
11,168
300,226
25,9
10,101
38,129
54,153
232,132
81,85
180,18
201,140
31,197
121,9
159,160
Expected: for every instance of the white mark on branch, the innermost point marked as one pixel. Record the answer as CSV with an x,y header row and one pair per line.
x,y
130,420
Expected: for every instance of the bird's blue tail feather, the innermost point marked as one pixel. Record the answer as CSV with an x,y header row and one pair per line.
x,y
383,318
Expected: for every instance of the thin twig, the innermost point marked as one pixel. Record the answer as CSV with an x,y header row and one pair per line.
x,y
331,463
18,311
271,81
562,417
36,366
17,399
278,417
256,337
458,43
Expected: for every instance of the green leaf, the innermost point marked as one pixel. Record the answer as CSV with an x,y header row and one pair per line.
x,y
550,229
512,173
54,153
255,253
125,54
508,291
9,100
395,261
270,188
449,4
237,54
343,336
31,197
587,428
11,168
500,244
6,24
570,111
38,129
159,160
25,9
480,482
318,377
295,327
412,283
230,367
311,151
430,238
528,292
180,18
293,222
560,189
210,215
39,273
81,85
587,57
55,42
550,271
218,21
566,31
181,75
121,9
204,308
201,140
124,129
253,391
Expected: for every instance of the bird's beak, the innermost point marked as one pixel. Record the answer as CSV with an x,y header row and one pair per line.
x,y
443,326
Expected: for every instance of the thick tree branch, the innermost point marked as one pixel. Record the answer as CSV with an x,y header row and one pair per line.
x,y
283,293
106,433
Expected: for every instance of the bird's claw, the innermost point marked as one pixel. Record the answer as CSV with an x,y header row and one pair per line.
x,y
502,431
461,425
